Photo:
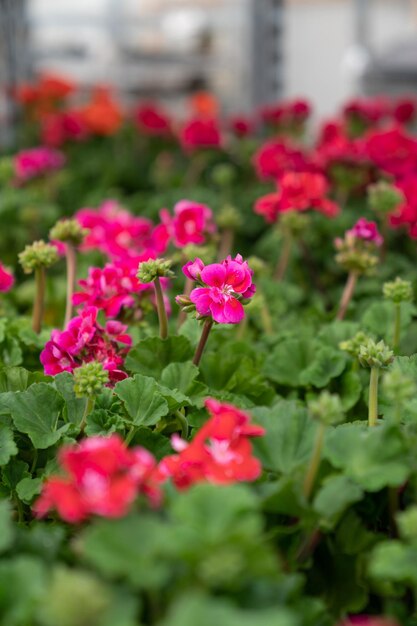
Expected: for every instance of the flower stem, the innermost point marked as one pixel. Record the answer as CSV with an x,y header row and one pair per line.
x,y
284,256
160,305
314,462
347,295
183,422
88,409
373,397
38,306
71,257
130,435
226,243
203,340
397,327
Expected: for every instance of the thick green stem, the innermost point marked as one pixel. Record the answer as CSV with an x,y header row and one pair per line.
x,y
284,257
373,397
203,340
160,305
314,462
347,295
71,256
38,305
130,434
397,327
88,409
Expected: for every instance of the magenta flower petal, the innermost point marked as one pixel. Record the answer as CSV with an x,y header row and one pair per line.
x,y
233,311
214,275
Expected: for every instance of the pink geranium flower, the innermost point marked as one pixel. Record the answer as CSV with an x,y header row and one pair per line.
x,y
224,285
200,133
190,224
36,162
6,279
367,231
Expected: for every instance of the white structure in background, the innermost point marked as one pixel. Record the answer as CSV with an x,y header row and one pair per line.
x,y
165,48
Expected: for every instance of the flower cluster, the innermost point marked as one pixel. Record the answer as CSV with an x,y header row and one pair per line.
x,y
286,117
36,162
298,191
200,133
102,477
223,287
6,279
116,232
275,157
190,224
220,453
152,119
84,340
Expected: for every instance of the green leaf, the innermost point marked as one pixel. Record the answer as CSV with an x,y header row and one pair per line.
x,y
74,407
335,495
395,562
6,527
372,457
351,389
153,354
28,488
8,447
142,399
133,548
36,413
14,472
195,608
379,318
18,379
289,436
301,362
22,583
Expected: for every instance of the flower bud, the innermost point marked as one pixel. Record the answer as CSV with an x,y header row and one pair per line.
x,y
154,268
398,387
398,291
68,231
326,408
384,197
352,346
89,379
38,254
223,175
373,354
229,217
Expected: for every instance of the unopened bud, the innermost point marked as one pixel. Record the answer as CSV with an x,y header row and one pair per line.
x,y
398,291
89,379
38,254
68,231
373,354
154,268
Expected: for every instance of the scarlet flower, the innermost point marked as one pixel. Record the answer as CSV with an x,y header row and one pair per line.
x,y
204,104
200,133
151,119
393,151
241,125
59,127
102,477
191,223
369,111
224,285
6,279
405,110
102,116
276,157
406,214
298,191
220,453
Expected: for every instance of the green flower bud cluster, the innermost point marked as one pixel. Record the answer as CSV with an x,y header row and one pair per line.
x,y
373,354
89,379
223,174
154,268
384,197
258,265
356,255
353,346
38,254
68,230
229,217
398,291
398,387
293,222
326,408
407,523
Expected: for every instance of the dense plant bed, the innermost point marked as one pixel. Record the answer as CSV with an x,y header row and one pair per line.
x,y
208,348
